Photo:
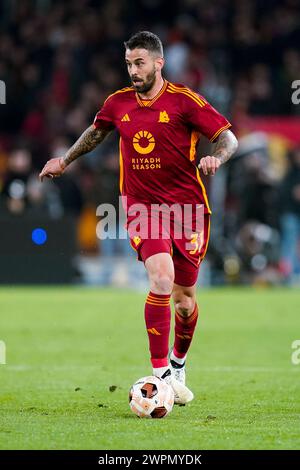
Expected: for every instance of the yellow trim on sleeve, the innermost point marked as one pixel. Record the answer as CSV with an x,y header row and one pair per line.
x,y
216,134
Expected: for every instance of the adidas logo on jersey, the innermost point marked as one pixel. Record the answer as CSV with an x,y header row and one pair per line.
x,y
125,118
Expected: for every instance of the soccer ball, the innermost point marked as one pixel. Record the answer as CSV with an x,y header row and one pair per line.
x,y
151,397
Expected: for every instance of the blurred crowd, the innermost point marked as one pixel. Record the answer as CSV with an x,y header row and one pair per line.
x,y
60,60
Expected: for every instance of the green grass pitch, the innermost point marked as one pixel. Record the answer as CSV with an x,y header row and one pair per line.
x,y
72,354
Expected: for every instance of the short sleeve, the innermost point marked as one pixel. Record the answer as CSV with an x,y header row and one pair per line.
x,y
204,117
104,118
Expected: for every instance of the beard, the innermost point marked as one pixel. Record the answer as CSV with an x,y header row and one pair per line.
x,y
143,86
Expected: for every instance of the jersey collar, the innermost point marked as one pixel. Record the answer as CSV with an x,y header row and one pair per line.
x,y
148,103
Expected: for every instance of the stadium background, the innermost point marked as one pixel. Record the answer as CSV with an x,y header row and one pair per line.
x,y
73,351
60,60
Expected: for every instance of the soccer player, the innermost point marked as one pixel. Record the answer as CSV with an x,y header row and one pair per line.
x,y
160,124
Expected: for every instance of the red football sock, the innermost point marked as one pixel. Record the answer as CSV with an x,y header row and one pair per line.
x,y
158,318
184,331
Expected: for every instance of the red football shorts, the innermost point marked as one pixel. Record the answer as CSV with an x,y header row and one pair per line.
x,y
187,247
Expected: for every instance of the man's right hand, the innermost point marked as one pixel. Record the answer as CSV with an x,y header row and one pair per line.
x,y
53,168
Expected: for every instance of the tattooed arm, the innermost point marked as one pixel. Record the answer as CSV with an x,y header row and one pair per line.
x,y
86,142
90,138
226,145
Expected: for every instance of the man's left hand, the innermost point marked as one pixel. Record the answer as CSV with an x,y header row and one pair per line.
x,y
209,165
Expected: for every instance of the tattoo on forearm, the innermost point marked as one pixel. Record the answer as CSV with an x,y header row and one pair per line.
x,y
226,145
90,138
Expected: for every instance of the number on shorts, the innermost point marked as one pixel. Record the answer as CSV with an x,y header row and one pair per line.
x,y
197,240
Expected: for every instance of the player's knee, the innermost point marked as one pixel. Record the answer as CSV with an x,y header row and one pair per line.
x,y
162,283
185,306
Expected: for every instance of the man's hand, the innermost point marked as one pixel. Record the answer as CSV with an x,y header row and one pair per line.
x,y
53,168
89,140
209,165
226,145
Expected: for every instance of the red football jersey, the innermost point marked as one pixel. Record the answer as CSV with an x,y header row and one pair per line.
x,y
158,141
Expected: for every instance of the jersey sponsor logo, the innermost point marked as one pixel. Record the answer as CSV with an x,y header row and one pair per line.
x,y
143,142
163,117
144,163
125,118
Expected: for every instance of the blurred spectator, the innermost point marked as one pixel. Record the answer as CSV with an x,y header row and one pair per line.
x,y
290,220
14,188
253,181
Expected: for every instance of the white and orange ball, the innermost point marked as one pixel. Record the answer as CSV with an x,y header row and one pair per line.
x,y
151,397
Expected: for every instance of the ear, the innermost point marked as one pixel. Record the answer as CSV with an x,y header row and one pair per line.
x,y
160,62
